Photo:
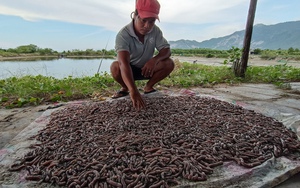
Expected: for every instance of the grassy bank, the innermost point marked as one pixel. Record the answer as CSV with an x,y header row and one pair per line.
x,y
35,90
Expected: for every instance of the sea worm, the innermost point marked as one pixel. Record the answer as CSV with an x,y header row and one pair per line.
x,y
176,139
113,183
33,177
16,167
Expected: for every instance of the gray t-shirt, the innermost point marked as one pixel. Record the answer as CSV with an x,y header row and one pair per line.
x,y
126,40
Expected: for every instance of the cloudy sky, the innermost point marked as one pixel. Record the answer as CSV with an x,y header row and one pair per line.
x,y
93,24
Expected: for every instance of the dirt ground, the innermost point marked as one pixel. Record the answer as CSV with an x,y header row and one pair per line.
x,y
253,61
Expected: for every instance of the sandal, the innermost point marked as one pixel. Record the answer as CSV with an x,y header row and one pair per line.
x,y
152,91
120,94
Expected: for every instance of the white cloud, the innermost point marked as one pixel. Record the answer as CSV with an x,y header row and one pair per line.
x,y
195,11
192,19
113,14
108,14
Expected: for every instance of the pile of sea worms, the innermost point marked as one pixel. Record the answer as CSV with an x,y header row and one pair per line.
x,y
175,138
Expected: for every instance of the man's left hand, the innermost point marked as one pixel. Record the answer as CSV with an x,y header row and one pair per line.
x,y
148,69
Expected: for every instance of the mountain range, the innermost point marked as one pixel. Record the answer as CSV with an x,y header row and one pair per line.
x,y
278,36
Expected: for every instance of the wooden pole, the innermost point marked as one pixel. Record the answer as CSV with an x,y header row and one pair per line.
x,y
247,39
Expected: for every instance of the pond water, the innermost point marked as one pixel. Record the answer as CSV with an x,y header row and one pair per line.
x,y
58,68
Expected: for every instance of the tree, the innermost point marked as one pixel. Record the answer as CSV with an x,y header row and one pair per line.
x,y
31,48
45,51
291,50
257,51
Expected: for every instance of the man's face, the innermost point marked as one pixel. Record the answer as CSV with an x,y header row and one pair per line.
x,y
144,25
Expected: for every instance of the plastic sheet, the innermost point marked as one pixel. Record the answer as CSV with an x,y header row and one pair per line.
x,y
269,174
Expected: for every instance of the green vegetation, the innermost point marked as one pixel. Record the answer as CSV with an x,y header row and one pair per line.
x,y
201,52
290,54
35,90
27,50
33,50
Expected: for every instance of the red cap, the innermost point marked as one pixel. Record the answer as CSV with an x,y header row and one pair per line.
x,y
148,8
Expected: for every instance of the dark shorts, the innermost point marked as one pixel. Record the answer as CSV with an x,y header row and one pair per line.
x,y
137,73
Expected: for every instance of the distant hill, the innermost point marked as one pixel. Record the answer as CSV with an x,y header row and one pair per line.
x,y
281,35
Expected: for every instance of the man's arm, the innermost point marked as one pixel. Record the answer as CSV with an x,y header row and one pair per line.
x,y
127,76
163,54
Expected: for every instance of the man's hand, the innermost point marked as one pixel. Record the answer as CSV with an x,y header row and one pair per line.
x,y
137,100
148,69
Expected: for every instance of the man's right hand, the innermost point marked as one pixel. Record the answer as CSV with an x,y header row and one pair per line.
x,y
137,100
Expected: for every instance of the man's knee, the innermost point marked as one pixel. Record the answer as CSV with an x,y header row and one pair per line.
x,y
170,65
114,68
166,65
114,65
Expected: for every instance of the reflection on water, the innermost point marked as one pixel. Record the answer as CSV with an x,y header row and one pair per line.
x,y
55,67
